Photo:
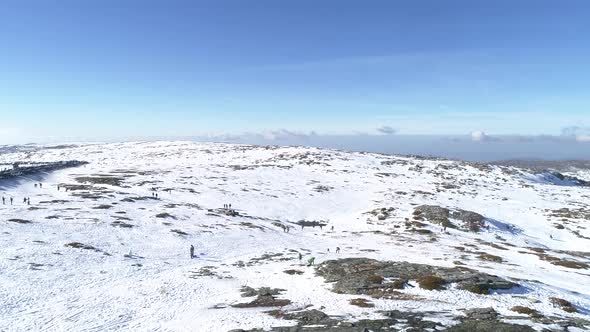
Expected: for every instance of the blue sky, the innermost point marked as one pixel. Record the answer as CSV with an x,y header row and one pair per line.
x,y
98,69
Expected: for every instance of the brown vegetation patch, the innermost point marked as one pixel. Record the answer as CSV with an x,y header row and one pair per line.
x,y
565,305
363,303
526,311
431,282
490,258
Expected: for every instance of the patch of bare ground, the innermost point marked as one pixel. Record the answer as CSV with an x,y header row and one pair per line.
x,y
265,297
102,179
543,255
431,282
490,258
179,232
20,221
563,305
165,215
526,311
363,303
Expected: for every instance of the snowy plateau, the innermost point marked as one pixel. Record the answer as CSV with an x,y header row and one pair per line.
x,y
314,240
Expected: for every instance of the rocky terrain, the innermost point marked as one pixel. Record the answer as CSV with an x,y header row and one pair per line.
x,y
314,240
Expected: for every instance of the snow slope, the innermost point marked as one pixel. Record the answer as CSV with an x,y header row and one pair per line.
x,y
141,278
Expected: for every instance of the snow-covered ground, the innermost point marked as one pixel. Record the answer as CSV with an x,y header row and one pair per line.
x,y
140,277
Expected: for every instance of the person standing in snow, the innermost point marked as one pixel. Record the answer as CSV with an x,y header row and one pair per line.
x,y
3,200
40,185
192,251
11,199
300,256
29,201
337,250
24,200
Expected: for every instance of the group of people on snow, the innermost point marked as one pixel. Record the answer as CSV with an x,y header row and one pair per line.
x,y
26,200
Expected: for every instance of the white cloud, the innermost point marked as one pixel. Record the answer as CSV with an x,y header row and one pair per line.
x,y
575,131
387,130
580,134
268,135
480,136
283,134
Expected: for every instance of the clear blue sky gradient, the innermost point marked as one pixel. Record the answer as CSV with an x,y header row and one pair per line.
x,y
154,68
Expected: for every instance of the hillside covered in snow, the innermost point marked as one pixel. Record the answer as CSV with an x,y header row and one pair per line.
x,y
314,240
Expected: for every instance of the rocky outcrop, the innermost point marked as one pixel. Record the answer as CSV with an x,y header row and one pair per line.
x,y
381,279
37,168
265,297
464,220
488,326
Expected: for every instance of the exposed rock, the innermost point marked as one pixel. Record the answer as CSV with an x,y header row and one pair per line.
x,y
20,221
488,326
101,179
265,297
313,224
470,221
37,168
481,314
307,317
317,321
354,276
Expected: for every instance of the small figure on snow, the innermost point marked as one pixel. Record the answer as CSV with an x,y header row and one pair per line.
x,y
311,261
192,251
337,250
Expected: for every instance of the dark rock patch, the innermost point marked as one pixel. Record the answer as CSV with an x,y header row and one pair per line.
x,y
565,305
488,326
179,232
363,303
102,207
165,215
313,224
101,179
469,221
265,297
353,276
20,221
121,224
